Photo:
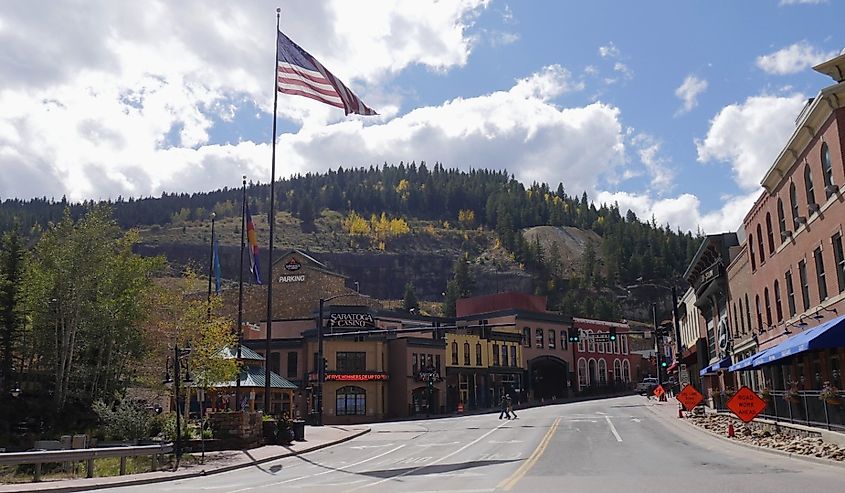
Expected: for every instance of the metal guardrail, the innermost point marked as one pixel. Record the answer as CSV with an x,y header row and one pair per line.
x,y
805,408
86,454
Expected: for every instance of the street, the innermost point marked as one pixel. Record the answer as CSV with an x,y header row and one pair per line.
x,y
612,445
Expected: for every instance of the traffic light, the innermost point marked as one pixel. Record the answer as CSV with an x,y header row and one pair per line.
x,y
574,334
612,334
664,364
325,365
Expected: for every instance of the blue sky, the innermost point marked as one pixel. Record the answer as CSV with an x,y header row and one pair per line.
x,y
671,109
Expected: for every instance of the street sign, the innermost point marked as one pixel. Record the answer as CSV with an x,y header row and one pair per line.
x,y
659,391
602,337
746,405
690,398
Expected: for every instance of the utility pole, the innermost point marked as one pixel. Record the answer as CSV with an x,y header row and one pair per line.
x,y
656,343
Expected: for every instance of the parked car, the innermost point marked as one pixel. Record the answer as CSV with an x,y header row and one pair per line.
x,y
647,386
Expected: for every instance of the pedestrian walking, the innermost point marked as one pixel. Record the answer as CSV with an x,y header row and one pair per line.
x,y
510,407
503,405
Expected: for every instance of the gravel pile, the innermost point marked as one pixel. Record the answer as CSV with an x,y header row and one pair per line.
x,y
763,436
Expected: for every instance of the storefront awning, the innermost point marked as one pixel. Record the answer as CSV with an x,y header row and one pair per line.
x,y
830,334
722,364
748,363
672,367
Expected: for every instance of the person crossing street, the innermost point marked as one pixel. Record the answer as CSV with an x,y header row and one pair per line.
x,y
509,404
503,405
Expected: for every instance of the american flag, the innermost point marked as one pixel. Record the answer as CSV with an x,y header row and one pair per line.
x,y
300,74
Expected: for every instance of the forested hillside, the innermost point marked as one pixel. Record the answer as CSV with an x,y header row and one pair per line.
x,y
490,200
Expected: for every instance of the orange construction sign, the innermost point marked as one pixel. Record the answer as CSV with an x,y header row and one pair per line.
x,y
689,397
659,391
746,405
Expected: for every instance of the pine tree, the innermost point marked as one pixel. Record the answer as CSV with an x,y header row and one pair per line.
x,y
410,302
11,320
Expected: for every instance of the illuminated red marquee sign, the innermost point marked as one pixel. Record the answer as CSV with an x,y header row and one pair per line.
x,y
356,377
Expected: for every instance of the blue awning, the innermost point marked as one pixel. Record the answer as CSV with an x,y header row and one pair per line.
x,y
748,362
722,364
830,334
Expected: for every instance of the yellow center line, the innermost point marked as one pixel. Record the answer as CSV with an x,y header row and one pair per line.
x,y
510,482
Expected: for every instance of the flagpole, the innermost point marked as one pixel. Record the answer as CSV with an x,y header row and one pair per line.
x,y
239,329
272,220
210,264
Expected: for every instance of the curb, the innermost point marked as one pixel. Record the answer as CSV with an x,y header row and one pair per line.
x,y
203,472
783,453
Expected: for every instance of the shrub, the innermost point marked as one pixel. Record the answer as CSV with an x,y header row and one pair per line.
x,y
125,420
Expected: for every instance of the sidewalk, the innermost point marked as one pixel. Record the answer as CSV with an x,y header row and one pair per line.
x,y
317,437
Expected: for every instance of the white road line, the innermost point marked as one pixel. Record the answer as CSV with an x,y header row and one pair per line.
x,y
613,429
319,473
470,444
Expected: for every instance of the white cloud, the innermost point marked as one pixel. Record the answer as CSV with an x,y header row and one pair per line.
x,y
802,2
792,59
624,70
649,150
750,135
688,92
547,84
609,51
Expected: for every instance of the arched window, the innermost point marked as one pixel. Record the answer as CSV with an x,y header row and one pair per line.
x,y
760,249
827,171
793,205
351,401
626,371
552,340
770,234
741,318
808,185
477,354
781,221
751,252
602,372
748,312
768,307
735,321
592,372
617,370
454,353
778,309
582,372
466,354
759,313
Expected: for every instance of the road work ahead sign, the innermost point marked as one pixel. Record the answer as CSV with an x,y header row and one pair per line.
x,y
746,405
689,397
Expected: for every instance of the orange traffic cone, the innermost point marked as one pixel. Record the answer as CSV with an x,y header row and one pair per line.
x,y
731,430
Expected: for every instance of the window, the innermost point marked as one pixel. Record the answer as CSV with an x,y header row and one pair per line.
x,y
415,365
602,372
293,364
563,339
790,293
805,288
454,353
748,313
276,362
840,260
740,318
759,313
770,234
768,307
539,337
820,274
477,354
351,361
735,321
437,364
429,361
760,250
617,370
526,337
504,355
552,340
781,221
514,362
351,401
495,355
591,343
778,309
751,252
793,205
582,372
808,185
827,171
466,354
626,371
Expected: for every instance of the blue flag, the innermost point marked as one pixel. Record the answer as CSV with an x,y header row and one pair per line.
x,y
216,262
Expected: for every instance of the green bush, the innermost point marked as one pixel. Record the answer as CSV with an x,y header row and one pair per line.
x,y
125,420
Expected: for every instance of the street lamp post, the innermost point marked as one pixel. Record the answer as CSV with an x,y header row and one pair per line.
x,y
321,366
178,354
675,322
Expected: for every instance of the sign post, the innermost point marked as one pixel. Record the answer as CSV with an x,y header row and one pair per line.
x,y
746,405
